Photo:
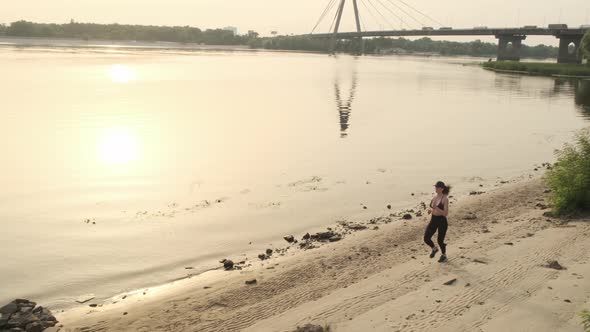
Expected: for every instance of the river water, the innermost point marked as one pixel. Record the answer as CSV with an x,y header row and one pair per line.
x,y
121,167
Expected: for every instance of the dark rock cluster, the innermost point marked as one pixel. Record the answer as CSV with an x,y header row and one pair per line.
x,y
24,315
311,328
554,265
230,265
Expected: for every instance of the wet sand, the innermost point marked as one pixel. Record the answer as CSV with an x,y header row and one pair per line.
x,y
381,279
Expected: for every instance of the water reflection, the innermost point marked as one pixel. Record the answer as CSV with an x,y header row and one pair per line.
x,y
558,88
561,86
509,83
582,96
121,73
344,107
117,146
580,89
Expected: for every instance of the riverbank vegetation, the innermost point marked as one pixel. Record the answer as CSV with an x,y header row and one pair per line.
x,y
569,179
539,68
187,34
397,45
585,47
148,33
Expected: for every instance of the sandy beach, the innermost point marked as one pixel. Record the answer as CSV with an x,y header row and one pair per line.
x,y
381,279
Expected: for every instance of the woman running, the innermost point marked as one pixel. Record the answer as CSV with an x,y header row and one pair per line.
x,y
439,208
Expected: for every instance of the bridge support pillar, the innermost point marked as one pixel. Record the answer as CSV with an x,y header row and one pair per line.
x,y
337,26
567,54
361,41
509,47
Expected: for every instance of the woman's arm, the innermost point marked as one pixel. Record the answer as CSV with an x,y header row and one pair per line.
x,y
431,208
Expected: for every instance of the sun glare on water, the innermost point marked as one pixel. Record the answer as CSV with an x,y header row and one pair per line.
x,y
118,146
121,74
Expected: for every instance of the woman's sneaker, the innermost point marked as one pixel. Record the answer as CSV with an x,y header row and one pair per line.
x,y
434,251
443,258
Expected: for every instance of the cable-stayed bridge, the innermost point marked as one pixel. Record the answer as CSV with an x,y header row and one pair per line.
x,y
411,21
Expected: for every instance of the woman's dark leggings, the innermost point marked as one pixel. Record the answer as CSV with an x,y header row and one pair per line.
x,y
440,223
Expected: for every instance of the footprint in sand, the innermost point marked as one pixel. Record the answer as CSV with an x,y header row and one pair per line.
x,y
313,179
265,205
174,209
308,184
475,179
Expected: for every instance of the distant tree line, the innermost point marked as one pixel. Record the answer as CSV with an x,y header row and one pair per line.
x,y
187,34
398,45
180,34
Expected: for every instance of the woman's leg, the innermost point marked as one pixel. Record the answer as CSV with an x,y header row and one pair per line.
x,y
430,229
442,232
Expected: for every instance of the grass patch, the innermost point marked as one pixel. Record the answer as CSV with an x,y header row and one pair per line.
x,y
540,68
569,179
585,320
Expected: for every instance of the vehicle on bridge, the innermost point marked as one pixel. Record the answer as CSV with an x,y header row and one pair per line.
x,y
585,26
445,28
530,27
557,26
427,28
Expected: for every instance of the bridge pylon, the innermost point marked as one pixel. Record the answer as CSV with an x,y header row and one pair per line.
x,y
566,53
509,47
337,25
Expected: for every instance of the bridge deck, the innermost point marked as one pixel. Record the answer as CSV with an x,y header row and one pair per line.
x,y
456,32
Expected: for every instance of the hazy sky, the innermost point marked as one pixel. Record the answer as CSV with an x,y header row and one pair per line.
x,y
292,16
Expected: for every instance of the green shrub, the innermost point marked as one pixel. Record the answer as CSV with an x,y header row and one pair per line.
x,y
569,179
586,320
585,47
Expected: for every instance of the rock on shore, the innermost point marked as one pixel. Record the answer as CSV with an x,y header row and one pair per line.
x,y
25,315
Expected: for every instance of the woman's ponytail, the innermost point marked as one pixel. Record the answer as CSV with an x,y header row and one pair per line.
x,y
446,189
